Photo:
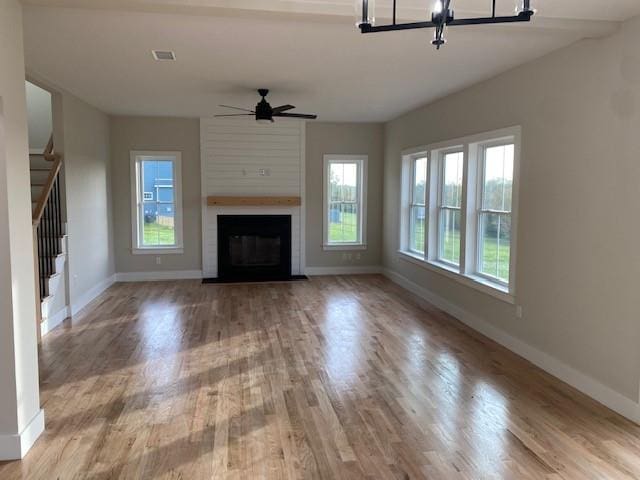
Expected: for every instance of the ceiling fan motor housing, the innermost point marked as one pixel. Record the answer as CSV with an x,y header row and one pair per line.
x,y
263,109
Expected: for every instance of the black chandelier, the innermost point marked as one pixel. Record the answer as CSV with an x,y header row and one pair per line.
x,y
441,17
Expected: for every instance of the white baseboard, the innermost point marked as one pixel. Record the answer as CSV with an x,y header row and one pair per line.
x,y
578,380
53,321
350,270
15,446
158,276
91,294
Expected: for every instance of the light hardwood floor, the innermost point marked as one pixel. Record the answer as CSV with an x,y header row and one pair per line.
x,y
336,377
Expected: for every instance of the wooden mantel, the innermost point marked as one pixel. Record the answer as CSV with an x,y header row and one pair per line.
x,y
217,201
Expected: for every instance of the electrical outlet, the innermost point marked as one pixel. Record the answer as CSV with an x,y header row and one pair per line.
x,y
358,256
158,260
518,311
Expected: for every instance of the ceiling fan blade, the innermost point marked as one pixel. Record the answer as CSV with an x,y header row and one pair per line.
x,y
236,115
283,108
296,115
237,108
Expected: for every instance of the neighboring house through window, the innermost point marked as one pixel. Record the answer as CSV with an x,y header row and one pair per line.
x,y
156,202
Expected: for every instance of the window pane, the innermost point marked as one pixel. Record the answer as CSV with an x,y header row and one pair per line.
x,y
158,219
336,180
452,179
343,223
495,245
419,181
343,202
449,236
343,182
158,227
498,178
350,187
417,226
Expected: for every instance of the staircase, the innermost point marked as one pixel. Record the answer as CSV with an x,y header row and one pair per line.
x,y
49,235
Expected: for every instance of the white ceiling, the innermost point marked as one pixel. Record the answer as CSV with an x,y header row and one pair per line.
x,y
308,52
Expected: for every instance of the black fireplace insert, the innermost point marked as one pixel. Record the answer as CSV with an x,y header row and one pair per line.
x,y
254,247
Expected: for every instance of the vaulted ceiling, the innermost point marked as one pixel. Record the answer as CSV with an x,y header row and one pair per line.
x,y
308,52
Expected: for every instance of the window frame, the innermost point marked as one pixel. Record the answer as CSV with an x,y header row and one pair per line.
x,y
412,203
468,271
361,202
137,198
480,210
440,206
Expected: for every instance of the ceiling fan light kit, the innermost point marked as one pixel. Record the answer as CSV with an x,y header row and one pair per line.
x,y
442,16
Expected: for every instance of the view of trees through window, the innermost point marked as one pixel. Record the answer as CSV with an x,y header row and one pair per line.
x,y
417,218
436,202
450,208
495,212
157,202
344,202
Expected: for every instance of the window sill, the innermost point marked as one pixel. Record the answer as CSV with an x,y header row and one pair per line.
x,y
158,251
481,284
346,246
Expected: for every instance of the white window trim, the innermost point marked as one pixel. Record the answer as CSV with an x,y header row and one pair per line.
x,y
362,161
467,272
481,148
440,207
411,202
136,247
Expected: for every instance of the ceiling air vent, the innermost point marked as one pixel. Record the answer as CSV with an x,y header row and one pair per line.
x,y
162,55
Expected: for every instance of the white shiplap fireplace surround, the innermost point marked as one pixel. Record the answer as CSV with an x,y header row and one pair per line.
x,y
240,157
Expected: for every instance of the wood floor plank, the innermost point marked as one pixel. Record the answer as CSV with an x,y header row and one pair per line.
x,y
336,377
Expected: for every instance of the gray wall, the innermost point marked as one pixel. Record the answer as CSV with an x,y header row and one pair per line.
x,y
577,260
156,133
87,177
352,139
181,134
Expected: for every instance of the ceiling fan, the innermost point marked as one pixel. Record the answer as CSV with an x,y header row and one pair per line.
x,y
265,113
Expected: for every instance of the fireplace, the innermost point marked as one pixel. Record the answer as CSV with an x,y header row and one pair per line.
x,y
254,247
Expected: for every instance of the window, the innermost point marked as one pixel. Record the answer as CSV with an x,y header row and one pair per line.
x,y
494,216
344,205
156,202
418,205
452,164
459,209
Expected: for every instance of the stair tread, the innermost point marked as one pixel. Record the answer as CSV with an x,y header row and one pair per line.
x,y
48,298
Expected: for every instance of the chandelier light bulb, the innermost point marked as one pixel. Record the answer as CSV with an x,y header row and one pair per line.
x,y
365,12
524,6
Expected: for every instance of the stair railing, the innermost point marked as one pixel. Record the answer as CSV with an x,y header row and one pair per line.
x,y
48,227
